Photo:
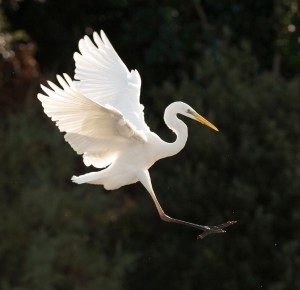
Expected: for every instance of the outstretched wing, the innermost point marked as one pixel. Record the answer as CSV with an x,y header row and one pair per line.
x,y
97,131
102,76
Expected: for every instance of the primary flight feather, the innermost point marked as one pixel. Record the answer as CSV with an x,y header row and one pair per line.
x,y
101,113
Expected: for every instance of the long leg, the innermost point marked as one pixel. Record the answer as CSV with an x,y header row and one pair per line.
x,y
144,178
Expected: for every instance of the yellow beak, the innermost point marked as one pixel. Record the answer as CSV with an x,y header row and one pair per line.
x,y
204,121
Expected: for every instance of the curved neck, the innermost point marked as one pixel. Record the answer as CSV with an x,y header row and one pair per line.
x,y
178,127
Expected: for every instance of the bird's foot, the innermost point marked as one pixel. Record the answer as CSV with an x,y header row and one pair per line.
x,y
215,229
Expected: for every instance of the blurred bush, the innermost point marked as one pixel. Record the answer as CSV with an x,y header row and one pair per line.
x,y
249,172
56,235
53,235
19,74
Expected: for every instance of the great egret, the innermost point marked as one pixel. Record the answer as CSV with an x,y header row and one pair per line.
x,y
100,112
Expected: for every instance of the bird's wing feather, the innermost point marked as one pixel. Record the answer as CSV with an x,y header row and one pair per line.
x,y
102,76
96,131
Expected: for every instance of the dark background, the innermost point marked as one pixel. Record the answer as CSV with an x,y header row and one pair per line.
x,y
237,63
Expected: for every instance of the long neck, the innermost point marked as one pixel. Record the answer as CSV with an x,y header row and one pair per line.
x,y
178,127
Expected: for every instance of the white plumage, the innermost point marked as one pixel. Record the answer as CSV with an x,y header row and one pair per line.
x,y
101,113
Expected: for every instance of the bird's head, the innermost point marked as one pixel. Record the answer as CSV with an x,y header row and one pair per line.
x,y
186,110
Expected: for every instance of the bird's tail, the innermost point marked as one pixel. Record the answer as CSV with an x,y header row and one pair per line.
x,y
92,178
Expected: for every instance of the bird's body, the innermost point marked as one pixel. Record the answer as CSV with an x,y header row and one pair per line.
x,y
124,169
139,155
104,121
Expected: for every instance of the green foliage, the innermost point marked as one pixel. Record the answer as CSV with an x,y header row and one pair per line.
x,y
54,235
149,30
249,172
57,235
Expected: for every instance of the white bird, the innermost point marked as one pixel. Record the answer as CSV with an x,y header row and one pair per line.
x,y
100,112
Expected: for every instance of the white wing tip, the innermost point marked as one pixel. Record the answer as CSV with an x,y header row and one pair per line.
x,y
76,56
105,39
58,77
44,88
68,79
41,97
